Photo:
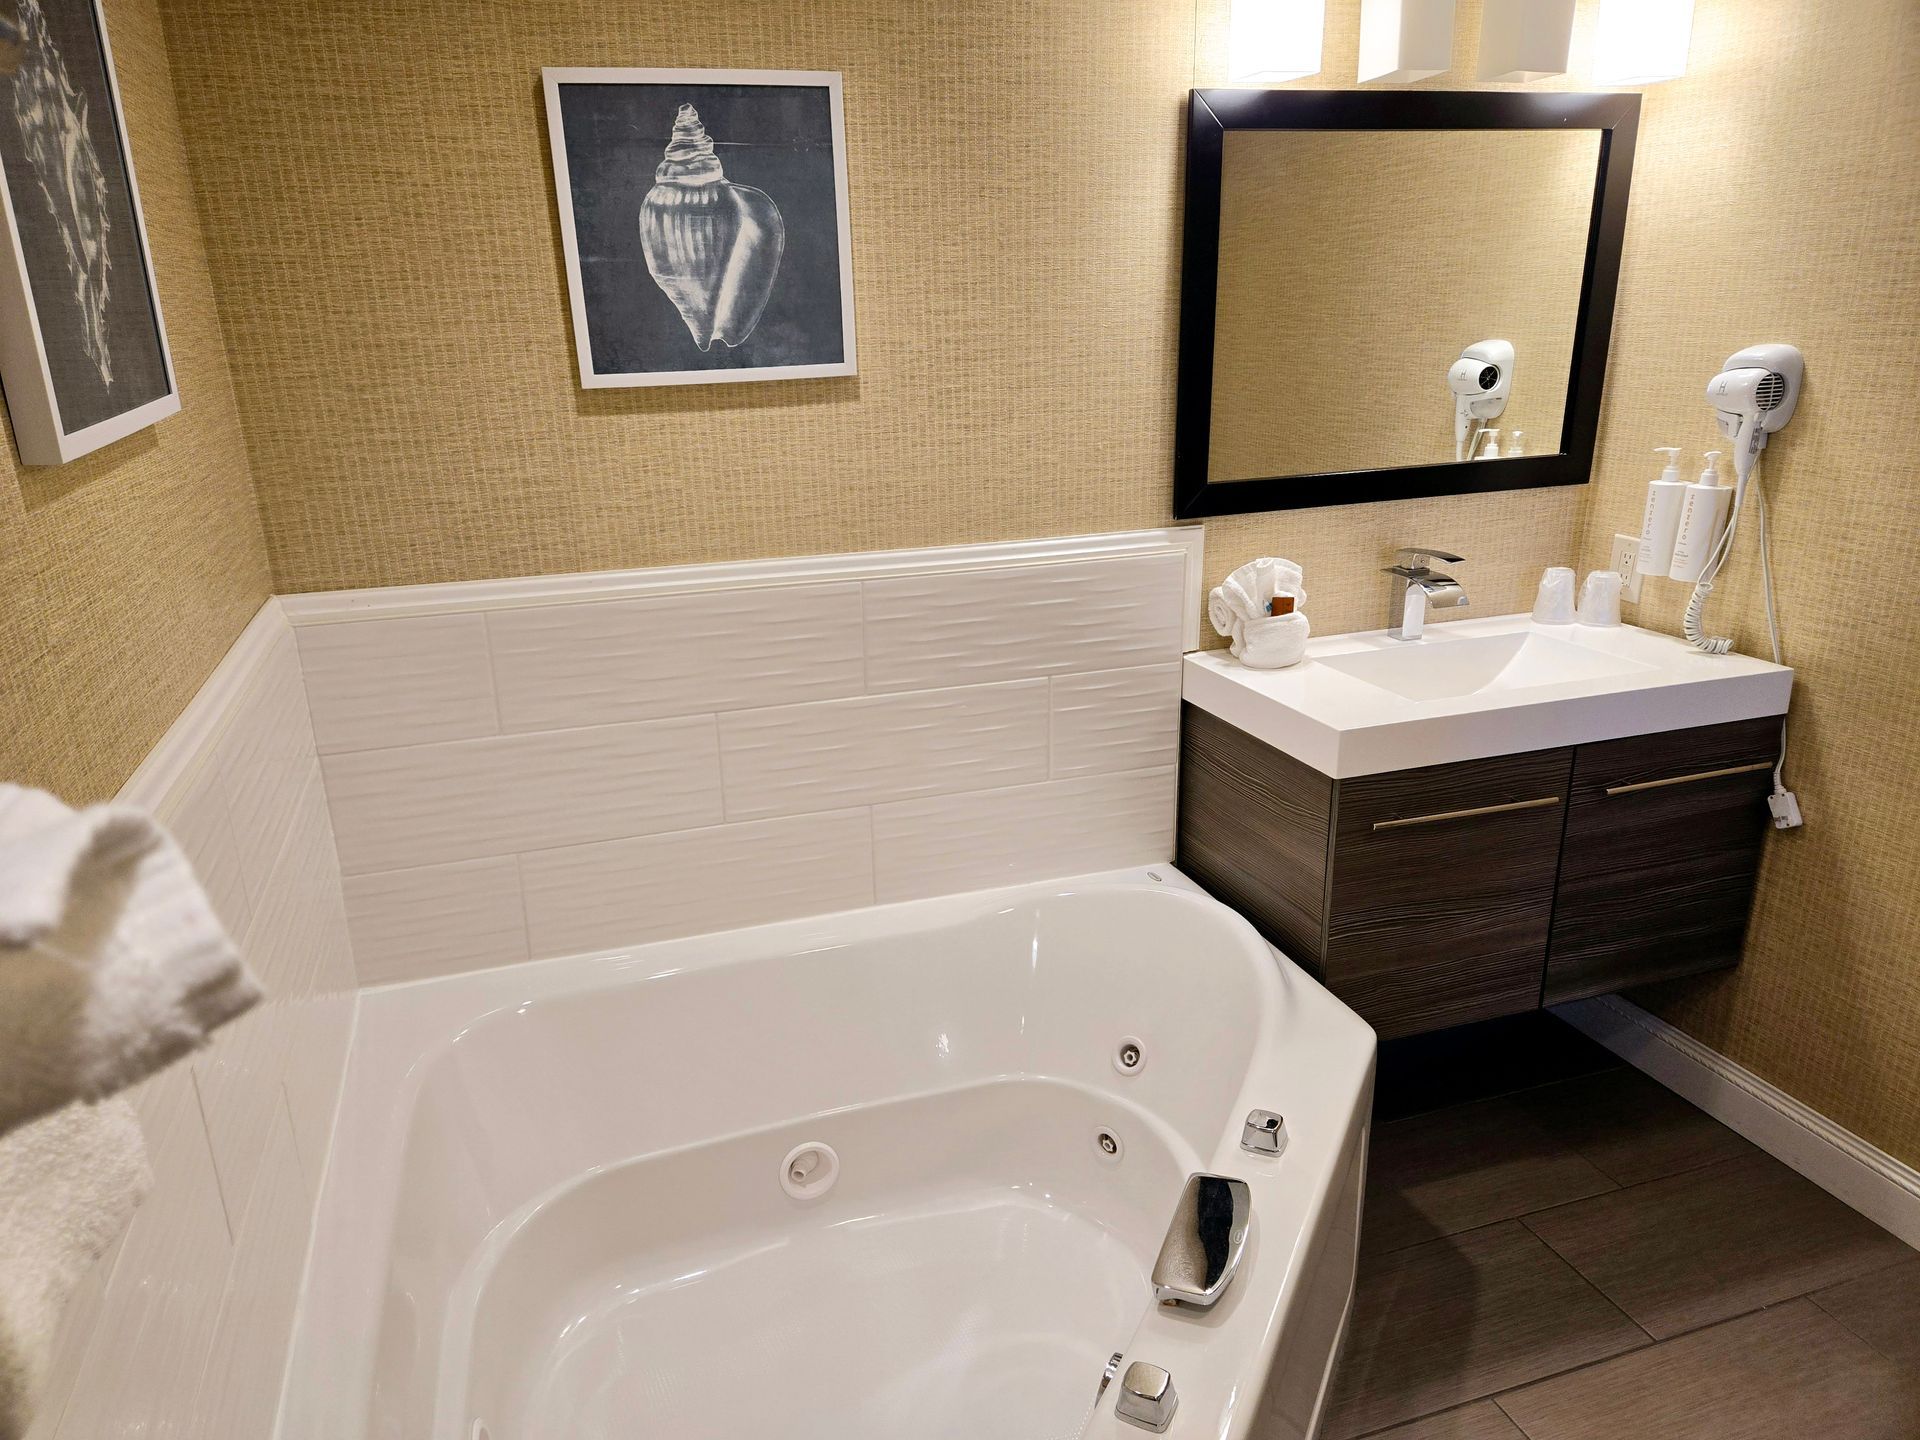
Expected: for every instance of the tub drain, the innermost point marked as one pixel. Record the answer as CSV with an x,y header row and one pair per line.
x,y
809,1170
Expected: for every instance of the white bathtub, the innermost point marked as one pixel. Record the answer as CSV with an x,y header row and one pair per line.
x,y
554,1208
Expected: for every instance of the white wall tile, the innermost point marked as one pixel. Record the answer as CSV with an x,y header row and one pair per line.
x,y
436,919
986,838
196,815
405,681
589,664
265,755
1107,721
240,1393
321,1029
627,892
239,1076
143,1364
429,804
959,628
796,758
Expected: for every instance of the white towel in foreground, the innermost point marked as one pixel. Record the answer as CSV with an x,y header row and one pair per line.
x,y
68,1182
112,963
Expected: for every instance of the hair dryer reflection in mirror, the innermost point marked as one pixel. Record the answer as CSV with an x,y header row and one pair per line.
x,y
1481,379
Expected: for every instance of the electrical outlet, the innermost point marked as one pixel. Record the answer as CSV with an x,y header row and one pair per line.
x,y
1626,555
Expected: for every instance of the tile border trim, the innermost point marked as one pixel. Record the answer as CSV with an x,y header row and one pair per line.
x,y
1853,1171
333,606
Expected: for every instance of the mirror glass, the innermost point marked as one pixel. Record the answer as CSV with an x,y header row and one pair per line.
x,y
1359,269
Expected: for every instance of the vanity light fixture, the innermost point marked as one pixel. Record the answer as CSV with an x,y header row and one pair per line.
x,y
1523,40
1273,40
1642,42
1405,39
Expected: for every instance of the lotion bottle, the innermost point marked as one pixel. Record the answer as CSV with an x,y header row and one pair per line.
x,y
1703,515
1660,526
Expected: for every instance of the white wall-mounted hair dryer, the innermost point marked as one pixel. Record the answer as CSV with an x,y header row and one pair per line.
x,y
1754,397
1755,394
1481,379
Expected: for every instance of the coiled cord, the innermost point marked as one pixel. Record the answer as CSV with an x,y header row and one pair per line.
x,y
1696,634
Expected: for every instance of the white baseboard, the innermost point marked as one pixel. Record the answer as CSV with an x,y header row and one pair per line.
x,y
1885,1190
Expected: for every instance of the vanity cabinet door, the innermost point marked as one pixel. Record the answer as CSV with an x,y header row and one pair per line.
x,y
1441,891
1663,844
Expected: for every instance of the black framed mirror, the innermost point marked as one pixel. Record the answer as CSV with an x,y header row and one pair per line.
x,y
1379,288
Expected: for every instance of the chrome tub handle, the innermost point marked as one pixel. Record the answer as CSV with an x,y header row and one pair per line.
x,y
1204,1243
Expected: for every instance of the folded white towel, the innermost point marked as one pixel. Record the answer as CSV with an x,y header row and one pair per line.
x,y
112,963
1243,597
68,1182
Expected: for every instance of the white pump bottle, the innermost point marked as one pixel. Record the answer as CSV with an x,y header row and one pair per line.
x,y
1703,515
1660,526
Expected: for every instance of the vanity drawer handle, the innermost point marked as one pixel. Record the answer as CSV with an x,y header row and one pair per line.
x,y
1689,779
1435,819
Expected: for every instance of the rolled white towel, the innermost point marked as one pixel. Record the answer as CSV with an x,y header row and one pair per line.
x,y
68,1182
112,962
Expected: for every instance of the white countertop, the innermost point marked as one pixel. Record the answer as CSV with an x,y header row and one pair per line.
x,y
1535,696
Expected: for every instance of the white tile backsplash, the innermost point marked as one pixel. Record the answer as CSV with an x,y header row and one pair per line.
x,y
924,631
627,892
139,1370
428,804
410,681
240,1392
985,838
1112,720
438,919
237,782
796,758
594,663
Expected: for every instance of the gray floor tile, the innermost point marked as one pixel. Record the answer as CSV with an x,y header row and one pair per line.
x,y
1714,1243
1457,1319
1789,1373
1482,1420
1631,1127
1883,1309
1472,1165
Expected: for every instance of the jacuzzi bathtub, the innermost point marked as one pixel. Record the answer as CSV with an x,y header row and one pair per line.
x,y
555,1208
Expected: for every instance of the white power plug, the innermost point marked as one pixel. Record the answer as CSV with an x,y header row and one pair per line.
x,y
1786,810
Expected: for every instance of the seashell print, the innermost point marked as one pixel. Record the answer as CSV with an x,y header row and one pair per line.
x,y
52,115
712,246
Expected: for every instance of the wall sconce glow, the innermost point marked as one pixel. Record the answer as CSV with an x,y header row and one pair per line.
x,y
1270,40
1642,42
1524,40
1405,39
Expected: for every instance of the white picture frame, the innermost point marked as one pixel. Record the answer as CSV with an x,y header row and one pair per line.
x,y
618,237
57,416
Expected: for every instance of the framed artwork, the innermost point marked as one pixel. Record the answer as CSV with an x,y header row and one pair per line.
x,y
704,216
83,350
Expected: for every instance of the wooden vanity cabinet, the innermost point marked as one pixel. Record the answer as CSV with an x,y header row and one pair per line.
x,y
1662,846
1430,897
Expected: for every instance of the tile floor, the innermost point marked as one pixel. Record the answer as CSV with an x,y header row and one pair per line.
x,y
1594,1259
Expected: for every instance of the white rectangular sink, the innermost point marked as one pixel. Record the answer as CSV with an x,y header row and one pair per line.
x,y
1365,703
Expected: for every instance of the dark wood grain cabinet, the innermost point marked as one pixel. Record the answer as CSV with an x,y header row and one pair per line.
x,y
1662,846
1430,897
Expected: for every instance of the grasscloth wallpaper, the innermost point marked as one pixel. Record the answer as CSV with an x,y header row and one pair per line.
x,y
1777,197
124,576
380,227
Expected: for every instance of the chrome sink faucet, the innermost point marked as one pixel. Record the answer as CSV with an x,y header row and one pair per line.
x,y
1416,586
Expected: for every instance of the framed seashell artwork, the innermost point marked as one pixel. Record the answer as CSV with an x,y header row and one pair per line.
x,y
705,223
83,350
